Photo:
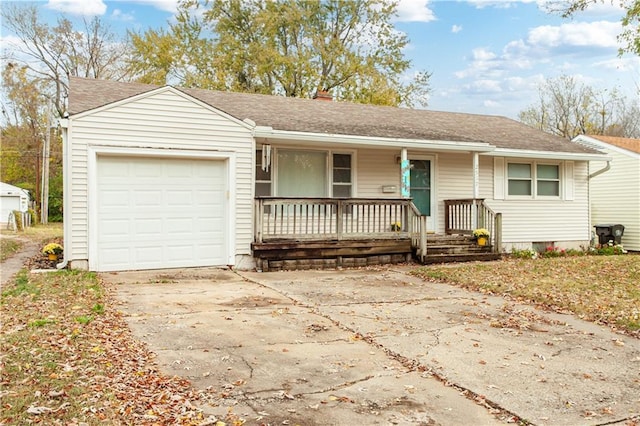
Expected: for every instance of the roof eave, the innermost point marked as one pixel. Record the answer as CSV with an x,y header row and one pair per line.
x,y
548,155
439,145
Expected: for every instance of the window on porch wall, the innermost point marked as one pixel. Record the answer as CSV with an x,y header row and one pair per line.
x,y
304,174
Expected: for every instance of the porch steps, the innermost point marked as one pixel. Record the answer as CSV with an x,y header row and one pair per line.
x,y
456,248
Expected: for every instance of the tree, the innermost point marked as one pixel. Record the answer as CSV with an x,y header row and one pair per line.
x,y
291,48
630,35
55,53
24,130
568,108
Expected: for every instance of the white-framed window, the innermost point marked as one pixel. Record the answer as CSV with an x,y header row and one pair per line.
x,y
533,179
342,175
263,176
306,173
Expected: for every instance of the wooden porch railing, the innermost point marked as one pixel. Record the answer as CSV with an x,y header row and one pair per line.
x,y
464,215
305,219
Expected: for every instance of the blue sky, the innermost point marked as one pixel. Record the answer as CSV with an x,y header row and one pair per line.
x,y
487,57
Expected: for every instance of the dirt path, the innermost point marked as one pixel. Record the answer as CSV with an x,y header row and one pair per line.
x,y
12,265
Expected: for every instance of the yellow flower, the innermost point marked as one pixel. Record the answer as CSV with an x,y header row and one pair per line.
x,y
52,248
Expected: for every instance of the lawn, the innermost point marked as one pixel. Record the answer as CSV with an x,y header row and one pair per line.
x,y
601,289
68,357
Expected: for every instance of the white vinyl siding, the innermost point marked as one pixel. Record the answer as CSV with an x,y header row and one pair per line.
x,y
615,195
163,119
547,219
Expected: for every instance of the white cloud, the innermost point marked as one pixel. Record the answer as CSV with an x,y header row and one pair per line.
x,y
121,16
166,5
485,86
456,29
78,7
500,4
415,11
578,34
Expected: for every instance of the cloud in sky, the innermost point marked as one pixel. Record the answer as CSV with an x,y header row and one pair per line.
x,y
415,11
456,29
78,7
542,45
576,34
166,5
98,7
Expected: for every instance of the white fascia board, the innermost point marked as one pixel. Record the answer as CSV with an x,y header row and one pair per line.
x,y
547,155
602,145
269,133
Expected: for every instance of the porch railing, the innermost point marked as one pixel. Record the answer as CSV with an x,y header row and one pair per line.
x,y
285,218
464,215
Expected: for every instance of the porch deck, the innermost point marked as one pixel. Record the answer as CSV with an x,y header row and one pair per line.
x,y
313,233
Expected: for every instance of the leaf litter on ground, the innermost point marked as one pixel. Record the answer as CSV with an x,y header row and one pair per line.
x,y
601,289
56,370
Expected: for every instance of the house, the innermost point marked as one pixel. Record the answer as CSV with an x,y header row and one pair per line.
x,y
158,177
615,195
12,198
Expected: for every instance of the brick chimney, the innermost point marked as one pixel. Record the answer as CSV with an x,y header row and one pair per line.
x,y
323,95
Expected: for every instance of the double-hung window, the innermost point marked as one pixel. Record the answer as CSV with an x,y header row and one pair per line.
x,y
533,180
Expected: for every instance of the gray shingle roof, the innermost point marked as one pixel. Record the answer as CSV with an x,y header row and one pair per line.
x,y
315,116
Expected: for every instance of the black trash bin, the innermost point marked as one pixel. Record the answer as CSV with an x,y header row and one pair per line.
x,y
609,232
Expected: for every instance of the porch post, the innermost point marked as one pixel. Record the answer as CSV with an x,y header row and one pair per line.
x,y
476,190
405,189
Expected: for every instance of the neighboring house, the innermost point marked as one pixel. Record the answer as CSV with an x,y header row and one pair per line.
x,y
12,198
158,177
615,194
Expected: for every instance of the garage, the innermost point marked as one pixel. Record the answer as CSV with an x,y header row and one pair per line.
x,y
160,212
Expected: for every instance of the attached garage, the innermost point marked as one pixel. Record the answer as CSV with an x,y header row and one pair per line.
x,y
160,212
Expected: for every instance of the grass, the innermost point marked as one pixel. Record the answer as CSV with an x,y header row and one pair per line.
x,y
602,289
38,232
68,357
11,241
9,247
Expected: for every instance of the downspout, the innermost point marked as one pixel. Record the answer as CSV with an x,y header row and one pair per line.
x,y
66,198
591,176
602,170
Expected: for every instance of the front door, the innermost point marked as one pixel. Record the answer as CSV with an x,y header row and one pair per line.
x,y
421,184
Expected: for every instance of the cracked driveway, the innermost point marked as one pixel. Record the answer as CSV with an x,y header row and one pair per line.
x,y
376,346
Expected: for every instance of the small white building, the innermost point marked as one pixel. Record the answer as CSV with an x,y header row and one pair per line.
x,y
615,194
12,198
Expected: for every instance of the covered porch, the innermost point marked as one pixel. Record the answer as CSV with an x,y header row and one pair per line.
x,y
305,233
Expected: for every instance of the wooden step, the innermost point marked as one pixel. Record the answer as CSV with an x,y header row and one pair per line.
x,y
457,248
460,257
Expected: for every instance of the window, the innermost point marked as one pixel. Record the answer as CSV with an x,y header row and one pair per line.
x,y
548,180
526,179
263,177
342,175
519,179
304,174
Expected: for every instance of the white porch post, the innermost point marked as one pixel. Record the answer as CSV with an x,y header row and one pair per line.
x,y
405,189
476,189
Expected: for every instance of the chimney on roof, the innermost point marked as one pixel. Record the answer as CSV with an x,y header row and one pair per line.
x,y
323,95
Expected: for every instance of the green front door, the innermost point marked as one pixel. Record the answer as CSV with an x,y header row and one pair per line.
x,y
420,183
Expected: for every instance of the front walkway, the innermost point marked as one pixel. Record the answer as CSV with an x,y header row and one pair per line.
x,y
376,346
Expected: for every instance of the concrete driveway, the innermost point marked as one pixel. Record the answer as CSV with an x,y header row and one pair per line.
x,y
376,346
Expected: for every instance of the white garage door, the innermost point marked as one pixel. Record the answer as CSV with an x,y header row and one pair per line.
x,y
160,213
8,203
